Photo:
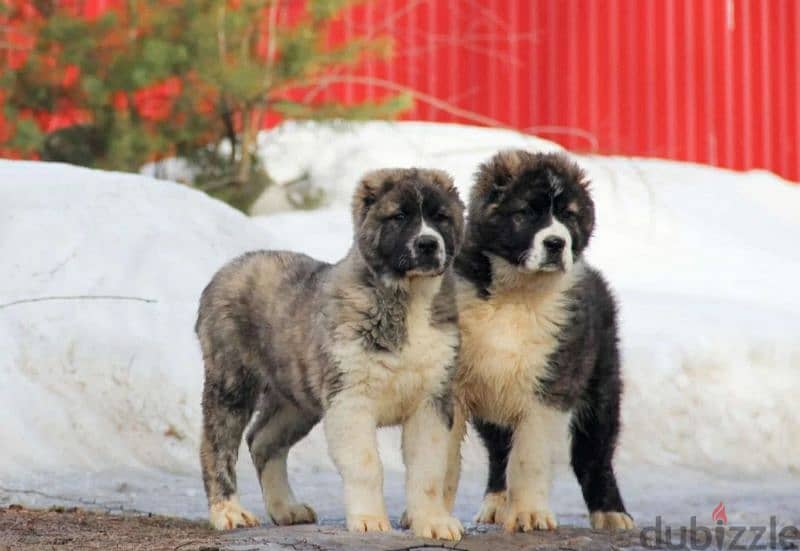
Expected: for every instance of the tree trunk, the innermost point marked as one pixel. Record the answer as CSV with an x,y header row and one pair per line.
x,y
243,174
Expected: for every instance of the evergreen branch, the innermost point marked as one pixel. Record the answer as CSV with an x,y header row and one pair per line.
x,y
388,108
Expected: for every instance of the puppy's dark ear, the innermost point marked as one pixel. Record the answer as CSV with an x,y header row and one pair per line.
x,y
564,166
370,187
505,165
495,175
445,181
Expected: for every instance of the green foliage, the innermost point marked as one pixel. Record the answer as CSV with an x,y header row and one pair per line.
x,y
160,78
335,110
27,135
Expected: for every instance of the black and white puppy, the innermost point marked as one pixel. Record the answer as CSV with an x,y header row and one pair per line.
x,y
539,358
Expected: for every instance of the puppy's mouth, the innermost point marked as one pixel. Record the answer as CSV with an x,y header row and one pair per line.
x,y
552,266
427,268
551,263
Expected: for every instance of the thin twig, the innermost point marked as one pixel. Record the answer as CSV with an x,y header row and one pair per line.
x,y
567,131
453,546
77,297
190,542
371,32
416,94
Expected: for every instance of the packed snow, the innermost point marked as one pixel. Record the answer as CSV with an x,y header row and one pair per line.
x,y
102,271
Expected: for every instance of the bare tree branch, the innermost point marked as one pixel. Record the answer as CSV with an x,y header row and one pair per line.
x,y
77,297
416,94
594,143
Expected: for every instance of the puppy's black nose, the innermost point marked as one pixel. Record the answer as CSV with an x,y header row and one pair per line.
x,y
426,244
554,244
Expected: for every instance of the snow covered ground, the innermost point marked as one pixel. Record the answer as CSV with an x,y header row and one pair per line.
x,y
100,374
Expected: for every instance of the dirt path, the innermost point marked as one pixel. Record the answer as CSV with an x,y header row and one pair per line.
x,y
73,528
61,528
68,528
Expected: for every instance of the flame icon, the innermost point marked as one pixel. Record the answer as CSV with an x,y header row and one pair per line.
x,y
719,514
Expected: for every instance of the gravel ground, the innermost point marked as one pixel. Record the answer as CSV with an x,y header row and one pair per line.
x,y
120,510
74,528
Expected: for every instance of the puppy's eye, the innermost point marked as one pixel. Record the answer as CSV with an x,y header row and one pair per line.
x,y
398,216
521,215
570,215
441,216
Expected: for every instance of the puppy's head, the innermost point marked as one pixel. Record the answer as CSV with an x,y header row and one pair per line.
x,y
408,222
533,210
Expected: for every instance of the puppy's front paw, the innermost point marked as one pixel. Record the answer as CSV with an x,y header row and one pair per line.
x,y
493,503
368,523
284,514
436,526
228,514
612,520
526,520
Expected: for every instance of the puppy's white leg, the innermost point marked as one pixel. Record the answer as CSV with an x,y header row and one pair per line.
x,y
350,429
453,465
426,439
491,507
453,474
530,470
279,499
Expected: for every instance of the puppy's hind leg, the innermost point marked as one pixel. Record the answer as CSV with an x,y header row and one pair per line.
x,y
594,435
226,411
277,427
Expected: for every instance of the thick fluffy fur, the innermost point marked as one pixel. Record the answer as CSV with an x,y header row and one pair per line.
x,y
539,358
367,342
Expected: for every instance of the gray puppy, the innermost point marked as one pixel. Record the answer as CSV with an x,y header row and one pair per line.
x,y
367,342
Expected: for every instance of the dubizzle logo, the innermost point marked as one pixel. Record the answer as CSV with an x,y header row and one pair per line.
x,y
720,536
719,514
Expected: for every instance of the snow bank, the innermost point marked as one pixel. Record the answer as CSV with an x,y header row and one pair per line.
x,y
705,265
93,382
704,262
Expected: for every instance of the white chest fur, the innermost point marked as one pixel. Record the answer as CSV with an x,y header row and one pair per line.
x,y
506,341
396,382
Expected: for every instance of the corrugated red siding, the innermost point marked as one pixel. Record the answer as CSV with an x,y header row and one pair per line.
x,y
711,81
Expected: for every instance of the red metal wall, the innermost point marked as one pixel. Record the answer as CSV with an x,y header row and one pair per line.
x,y
712,81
